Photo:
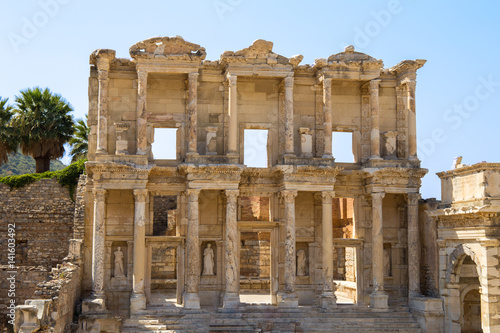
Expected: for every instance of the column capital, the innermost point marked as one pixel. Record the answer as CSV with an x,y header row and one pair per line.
x,y
289,195
374,84
99,194
413,198
377,195
327,82
193,76
232,79
327,196
140,195
410,84
192,193
142,75
288,81
231,195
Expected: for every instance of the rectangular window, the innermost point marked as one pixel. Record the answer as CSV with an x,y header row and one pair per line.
x,y
342,147
164,146
255,148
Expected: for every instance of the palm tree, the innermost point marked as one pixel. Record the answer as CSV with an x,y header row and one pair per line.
x,y
44,123
8,138
79,141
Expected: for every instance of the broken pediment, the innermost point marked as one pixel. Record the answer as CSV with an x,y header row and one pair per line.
x,y
351,65
260,52
169,48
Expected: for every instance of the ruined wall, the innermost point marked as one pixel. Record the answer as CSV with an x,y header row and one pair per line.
x,y
43,214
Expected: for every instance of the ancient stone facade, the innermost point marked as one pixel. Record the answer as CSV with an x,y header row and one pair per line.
x,y
468,225
215,201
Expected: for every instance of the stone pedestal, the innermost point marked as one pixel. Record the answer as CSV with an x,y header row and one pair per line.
x,y
287,300
137,302
95,303
191,301
379,300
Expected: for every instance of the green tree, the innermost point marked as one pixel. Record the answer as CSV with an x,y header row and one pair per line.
x,y
8,137
79,141
44,123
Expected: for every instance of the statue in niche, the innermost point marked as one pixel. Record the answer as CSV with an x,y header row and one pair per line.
x,y
208,260
301,262
119,272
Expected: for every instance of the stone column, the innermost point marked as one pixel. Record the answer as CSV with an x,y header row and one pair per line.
x,y
142,96
328,298
102,110
327,114
233,116
375,132
231,295
379,298
138,298
289,297
413,246
412,120
192,112
193,267
289,150
97,301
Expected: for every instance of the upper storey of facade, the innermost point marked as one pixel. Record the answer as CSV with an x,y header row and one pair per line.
x,y
212,105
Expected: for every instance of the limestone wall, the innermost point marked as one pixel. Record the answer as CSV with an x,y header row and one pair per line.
x,y
43,215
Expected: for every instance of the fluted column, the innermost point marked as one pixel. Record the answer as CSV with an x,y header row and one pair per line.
x,y
142,95
289,297
374,106
327,112
191,298
412,120
413,246
233,115
102,111
97,301
378,298
231,257
138,297
192,112
289,151
328,298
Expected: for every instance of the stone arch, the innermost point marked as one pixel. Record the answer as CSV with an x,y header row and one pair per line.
x,y
455,260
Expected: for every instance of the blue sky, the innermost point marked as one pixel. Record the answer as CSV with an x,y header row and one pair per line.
x,y
47,43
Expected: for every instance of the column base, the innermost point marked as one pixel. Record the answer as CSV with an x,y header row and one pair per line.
x,y
379,300
191,301
94,304
231,301
328,300
137,302
288,300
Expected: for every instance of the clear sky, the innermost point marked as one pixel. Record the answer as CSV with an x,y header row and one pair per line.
x,y
47,43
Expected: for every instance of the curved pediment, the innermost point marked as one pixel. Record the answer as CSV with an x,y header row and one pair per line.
x,y
167,48
261,51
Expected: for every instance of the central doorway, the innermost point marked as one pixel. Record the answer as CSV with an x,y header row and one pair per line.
x,y
255,267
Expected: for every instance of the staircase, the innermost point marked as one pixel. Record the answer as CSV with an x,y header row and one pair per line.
x,y
266,318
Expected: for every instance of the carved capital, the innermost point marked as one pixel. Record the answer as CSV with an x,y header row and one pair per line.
x,y
193,77
142,76
232,79
288,81
410,85
374,85
327,83
140,195
413,199
232,195
99,194
289,196
377,198
193,193
327,197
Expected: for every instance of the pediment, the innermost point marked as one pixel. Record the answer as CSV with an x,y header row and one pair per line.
x,y
261,51
169,48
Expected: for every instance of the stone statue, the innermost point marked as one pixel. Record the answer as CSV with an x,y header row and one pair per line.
x,y
119,263
301,263
208,260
